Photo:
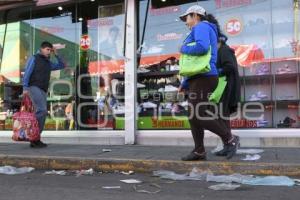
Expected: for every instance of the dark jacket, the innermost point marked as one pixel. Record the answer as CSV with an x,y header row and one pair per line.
x,y
38,70
227,66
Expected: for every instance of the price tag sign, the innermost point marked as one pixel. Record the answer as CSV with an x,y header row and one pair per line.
x,y
233,27
85,42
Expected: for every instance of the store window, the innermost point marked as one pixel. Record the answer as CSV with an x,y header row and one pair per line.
x,y
89,37
265,37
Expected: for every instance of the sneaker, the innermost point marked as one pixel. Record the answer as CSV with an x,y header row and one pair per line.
x,y
149,105
184,104
170,88
284,70
118,110
38,144
194,156
142,70
139,85
262,70
232,147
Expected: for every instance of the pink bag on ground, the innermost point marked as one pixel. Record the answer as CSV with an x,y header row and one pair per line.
x,y
25,124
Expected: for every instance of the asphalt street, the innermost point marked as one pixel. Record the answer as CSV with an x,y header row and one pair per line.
x,y
37,186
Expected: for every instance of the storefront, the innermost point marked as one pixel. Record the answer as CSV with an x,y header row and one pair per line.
x,y
122,62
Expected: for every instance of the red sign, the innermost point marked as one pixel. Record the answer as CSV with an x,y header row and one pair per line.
x,y
85,42
233,27
231,3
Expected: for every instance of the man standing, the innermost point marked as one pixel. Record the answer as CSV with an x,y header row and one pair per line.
x,y
36,82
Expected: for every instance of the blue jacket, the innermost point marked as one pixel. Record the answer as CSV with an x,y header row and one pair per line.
x,y
32,64
205,35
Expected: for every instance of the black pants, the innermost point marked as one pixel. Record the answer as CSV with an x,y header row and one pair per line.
x,y
199,91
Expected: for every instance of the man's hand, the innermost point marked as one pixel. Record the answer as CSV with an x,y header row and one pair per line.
x,y
54,50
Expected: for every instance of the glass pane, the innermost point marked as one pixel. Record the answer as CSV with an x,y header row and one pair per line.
x,y
102,65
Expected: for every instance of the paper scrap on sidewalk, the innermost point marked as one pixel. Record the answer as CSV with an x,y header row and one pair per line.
x,y
249,151
106,150
131,181
53,172
85,172
127,173
111,187
251,157
224,187
9,170
135,187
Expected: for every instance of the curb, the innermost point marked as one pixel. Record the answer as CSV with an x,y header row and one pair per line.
x,y
148,166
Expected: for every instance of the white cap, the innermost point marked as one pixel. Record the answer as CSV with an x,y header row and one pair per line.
x,y
193,9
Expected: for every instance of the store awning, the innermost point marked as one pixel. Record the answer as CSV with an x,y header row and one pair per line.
x,y
246,56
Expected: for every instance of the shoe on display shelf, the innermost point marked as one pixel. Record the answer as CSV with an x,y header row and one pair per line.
x,y
148,104
142,70
263,70
286,69
170,88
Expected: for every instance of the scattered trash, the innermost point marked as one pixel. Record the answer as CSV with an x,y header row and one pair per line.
x,y
85,172
252,157
106,150
111,187
234,178
270,181
9,170
249,151
53,172
297,182
131,181
194,175
224,186
135,187
127,173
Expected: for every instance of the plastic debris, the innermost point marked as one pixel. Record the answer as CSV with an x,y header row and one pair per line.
x,y
194,175
135,187
127,173
249,151
106,150
234,178
131,181
85,172
53,172
225,187
9,170
252,157
270,181
111,187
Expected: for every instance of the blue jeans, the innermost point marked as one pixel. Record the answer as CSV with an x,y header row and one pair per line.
x,y
39,100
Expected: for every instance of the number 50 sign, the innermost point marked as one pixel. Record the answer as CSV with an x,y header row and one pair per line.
x,y
233,27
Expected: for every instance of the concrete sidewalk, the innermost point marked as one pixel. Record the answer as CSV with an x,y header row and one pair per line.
x,y
274,161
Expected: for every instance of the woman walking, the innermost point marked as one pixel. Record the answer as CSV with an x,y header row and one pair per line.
x,y
204,36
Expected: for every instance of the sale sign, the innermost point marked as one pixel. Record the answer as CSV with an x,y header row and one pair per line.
x,y
85,42
233,27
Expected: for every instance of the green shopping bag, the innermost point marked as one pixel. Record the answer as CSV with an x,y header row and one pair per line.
x,y
218,92
193,65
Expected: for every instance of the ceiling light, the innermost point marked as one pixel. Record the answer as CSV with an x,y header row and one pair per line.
x,y
60,8
80,19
